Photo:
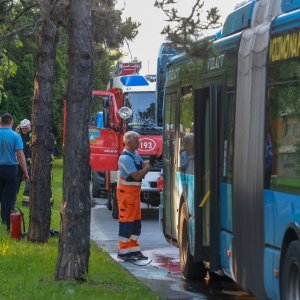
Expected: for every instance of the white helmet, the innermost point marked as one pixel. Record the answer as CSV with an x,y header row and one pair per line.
x,y
25,123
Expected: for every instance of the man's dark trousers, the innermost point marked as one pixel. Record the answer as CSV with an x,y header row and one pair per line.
x,y
8,190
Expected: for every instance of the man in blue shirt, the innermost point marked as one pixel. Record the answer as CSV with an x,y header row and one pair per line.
x,y
132,170
11,155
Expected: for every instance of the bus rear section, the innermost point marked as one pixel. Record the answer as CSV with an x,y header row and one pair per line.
x,y
231,195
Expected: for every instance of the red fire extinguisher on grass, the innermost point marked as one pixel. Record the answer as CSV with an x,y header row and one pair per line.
x,y
16,219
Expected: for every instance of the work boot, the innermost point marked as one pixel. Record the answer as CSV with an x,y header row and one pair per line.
x,y
138,255
126,257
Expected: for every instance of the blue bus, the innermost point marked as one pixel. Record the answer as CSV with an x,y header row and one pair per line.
x,y
231,193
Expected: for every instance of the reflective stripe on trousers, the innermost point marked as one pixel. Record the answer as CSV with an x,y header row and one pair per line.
x,y
129,218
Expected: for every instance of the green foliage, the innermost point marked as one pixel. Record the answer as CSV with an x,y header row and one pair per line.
x,y
103,62
107,42
17,82
106,17
129,29
7,69
17,72
19,88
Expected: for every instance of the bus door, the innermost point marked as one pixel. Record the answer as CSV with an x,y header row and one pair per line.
x,y
170,161
207,212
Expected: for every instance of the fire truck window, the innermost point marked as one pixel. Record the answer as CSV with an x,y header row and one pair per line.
x,y
106,117
106,102
95,107
143,106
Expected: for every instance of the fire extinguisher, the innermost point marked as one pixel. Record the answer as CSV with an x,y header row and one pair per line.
x,y
16,220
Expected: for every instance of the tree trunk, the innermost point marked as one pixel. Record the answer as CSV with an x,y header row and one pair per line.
x,y
74,242
40,190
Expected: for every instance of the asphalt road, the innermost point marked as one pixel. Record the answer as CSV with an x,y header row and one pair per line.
x,y
162,271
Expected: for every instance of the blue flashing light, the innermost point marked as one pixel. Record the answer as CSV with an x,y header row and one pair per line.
x,y
134,80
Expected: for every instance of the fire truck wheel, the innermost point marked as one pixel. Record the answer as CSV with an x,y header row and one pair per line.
x,y
109,201
189,268
96,193
114,204
290,283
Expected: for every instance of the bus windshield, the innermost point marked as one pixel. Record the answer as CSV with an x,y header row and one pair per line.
x,y
143,106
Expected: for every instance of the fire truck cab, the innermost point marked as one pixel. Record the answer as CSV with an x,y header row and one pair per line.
x,y
129,104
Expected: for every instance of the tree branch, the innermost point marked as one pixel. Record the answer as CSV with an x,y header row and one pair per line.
x,y
187,29
14,21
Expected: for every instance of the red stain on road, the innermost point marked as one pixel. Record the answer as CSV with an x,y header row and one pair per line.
x,y
168,263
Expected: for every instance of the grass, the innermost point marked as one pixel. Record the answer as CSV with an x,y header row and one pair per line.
x,y
27,269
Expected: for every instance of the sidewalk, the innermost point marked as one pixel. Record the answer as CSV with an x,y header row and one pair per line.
x,y
161,273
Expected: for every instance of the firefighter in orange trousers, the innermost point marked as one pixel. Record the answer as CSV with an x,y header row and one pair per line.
x,y
132,169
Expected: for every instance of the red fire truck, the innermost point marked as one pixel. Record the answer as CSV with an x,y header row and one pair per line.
x,y
129,104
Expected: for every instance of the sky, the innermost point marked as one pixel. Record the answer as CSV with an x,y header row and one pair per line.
x,y
146,45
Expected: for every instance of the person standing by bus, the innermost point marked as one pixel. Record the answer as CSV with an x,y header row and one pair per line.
x,y
11,155
186,162
132,170
24,129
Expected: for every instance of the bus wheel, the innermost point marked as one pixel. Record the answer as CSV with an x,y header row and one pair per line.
x,y
189,268
290,278
114,203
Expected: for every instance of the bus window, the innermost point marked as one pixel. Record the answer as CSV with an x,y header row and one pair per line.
x,y
206,183
186,157
169,152
228,138
186,132
282,141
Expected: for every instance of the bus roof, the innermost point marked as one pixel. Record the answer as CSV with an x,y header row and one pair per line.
x,y
239,19
287,6
287,21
